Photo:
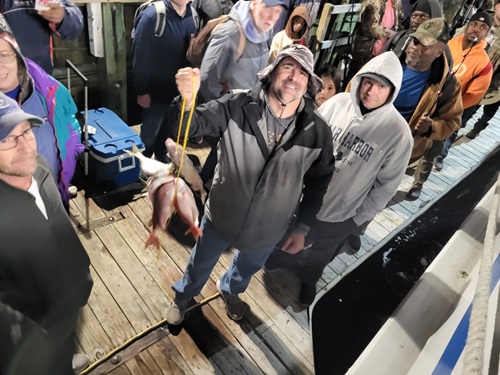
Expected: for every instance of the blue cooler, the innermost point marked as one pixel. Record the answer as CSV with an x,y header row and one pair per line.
x,y
108,161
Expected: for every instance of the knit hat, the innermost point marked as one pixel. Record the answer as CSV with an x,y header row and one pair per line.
x,y
273,3
422,6
7,35
432,31
482,17
304,57
12,115
431,7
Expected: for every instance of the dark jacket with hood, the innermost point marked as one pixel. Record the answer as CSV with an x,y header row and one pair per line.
x,y
255,192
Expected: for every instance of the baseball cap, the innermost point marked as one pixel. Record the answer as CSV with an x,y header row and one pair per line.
x,y
273,3
379,78
432,31
304,57
12,115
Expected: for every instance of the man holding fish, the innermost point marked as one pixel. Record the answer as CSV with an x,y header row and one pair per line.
x,y
274,149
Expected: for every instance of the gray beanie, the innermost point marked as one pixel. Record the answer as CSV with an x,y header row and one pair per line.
x,y
304,57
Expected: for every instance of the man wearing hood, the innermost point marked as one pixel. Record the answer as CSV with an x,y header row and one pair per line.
x,y
275,152
294,33
372,144
422,11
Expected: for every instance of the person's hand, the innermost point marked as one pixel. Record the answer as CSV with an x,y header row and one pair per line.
x,y
423,125
294,243
184,81
144,100
53,15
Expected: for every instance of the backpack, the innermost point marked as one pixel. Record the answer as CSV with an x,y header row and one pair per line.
x,y
199,42
160,16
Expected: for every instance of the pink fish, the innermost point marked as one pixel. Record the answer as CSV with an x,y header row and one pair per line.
x,y
188,171
161,192
186,208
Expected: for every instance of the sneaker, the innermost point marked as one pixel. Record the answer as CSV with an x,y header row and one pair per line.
x,y
234,305
472,134
273,262
196,140
80,362
177,311
414,193
307,294
438,163
354,242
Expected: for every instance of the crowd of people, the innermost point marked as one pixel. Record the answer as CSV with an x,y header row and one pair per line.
x,y
301,161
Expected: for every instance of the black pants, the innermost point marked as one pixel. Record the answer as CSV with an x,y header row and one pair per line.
x,y
488,113
310,263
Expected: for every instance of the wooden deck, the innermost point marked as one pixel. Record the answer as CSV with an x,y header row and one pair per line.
x,y
132,286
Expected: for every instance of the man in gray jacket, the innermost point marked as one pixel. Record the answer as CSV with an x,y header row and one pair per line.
x,y
273,149
372,145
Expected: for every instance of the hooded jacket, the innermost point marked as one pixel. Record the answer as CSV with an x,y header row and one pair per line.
x,y
372,150
473,70
441,101
33,32
58,140
219,69
256,192
284,37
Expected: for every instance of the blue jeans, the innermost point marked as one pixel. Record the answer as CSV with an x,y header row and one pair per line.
x,y
204,257
151,121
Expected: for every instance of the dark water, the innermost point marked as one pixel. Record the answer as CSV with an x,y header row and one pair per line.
x,y
349,315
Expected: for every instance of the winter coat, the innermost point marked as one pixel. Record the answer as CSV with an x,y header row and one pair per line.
x,y
441,101
284,38
44,278
372,150
210,9
60,143
255,192
33,32
220,69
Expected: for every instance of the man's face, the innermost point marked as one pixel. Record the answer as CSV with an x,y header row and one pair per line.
x,y
263,16
417,18
19,161
372,93
8,68
297,24
476,30
289,80
419,58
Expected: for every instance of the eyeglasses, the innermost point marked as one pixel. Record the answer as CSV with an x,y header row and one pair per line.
x,y
7,57
12,140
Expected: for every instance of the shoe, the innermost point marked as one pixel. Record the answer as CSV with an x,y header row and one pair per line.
x,y
354,242
273,262
472,134
414,193
438,163
177,311
307,294
196,140
80,362
234,305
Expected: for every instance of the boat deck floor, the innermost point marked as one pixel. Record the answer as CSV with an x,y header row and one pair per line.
x,y
132,285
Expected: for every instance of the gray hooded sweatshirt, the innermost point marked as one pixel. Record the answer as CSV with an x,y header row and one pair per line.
x,y
219,62
372,150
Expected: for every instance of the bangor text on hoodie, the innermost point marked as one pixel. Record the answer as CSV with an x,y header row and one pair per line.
x,y
372,150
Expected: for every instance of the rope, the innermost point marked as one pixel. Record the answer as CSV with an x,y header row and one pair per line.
x,y
476,337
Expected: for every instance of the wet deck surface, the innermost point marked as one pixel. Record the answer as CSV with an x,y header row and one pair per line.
x,y
132,285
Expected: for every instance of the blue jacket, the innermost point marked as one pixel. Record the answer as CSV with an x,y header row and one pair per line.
x,y
33,32
156,60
